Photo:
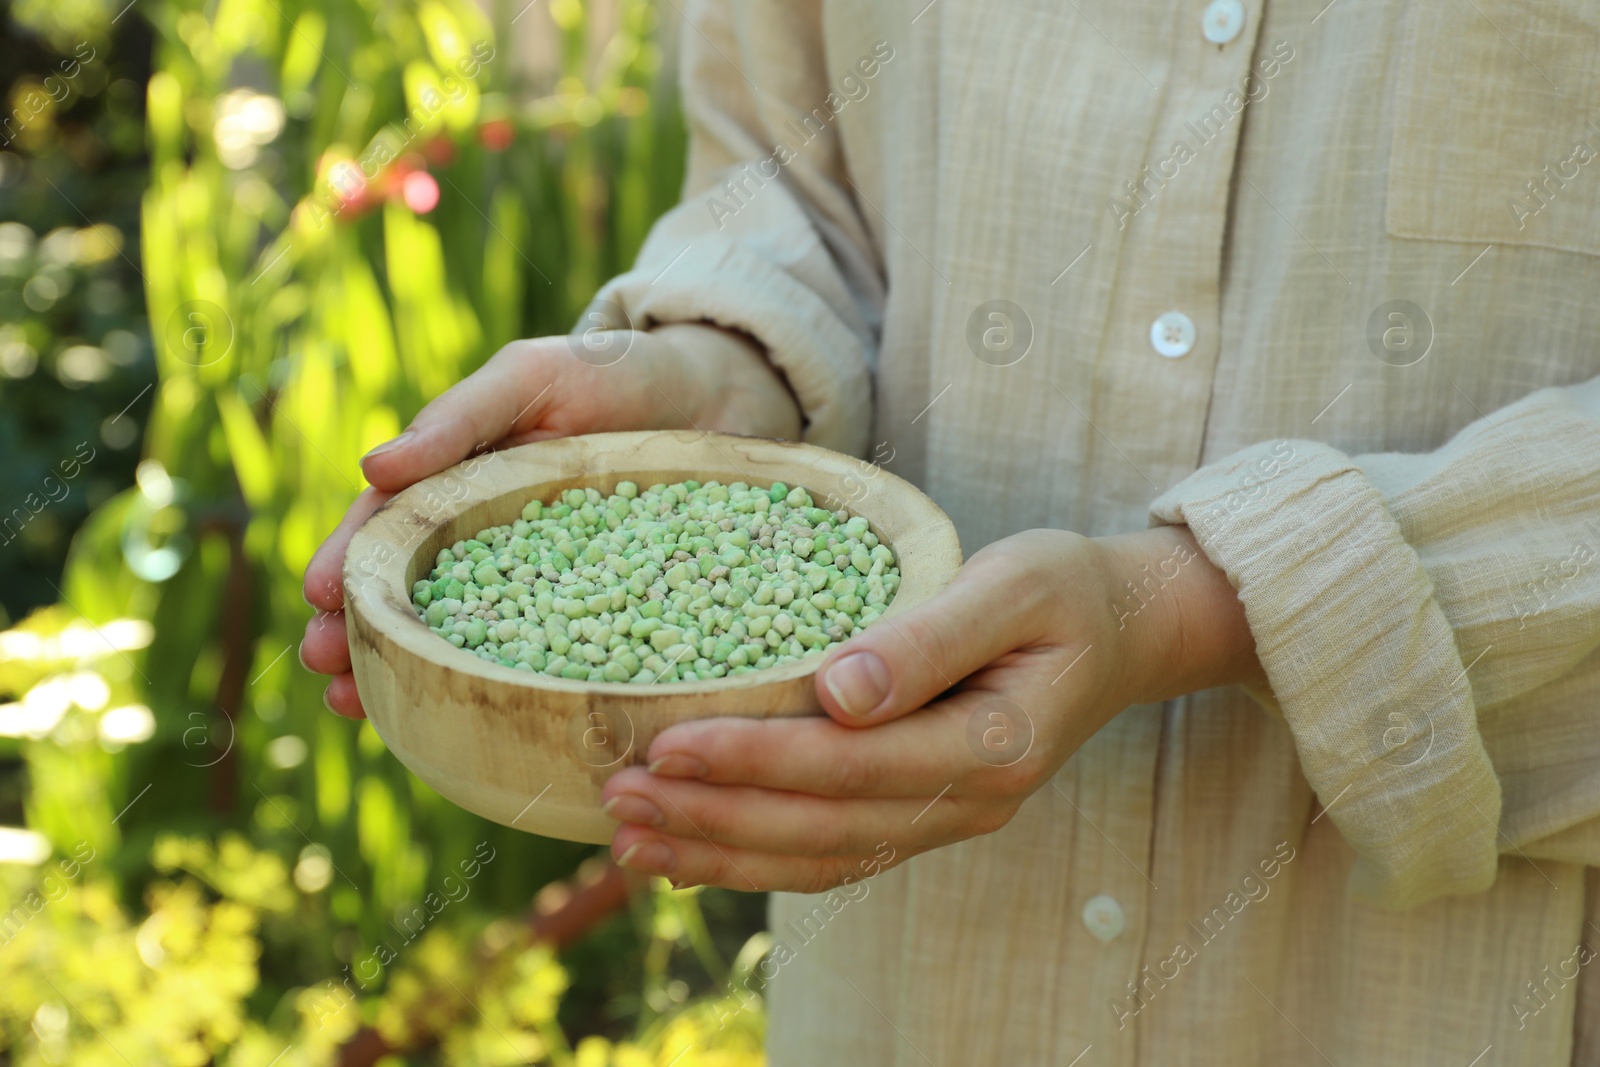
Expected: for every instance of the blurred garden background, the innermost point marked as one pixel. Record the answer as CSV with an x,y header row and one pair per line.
x,y
242,242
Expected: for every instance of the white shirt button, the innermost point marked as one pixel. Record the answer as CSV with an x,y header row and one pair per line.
x,y
1103,917
1172,334
1222,21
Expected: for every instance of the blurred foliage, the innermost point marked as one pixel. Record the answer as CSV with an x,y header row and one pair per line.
x,y
74,349
347,207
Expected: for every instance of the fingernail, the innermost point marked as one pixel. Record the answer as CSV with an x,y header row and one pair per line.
x,y
653,857
627,807
328,703
859,682
677,765
390,446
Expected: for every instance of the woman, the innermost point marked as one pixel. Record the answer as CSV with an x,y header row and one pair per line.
x,y
1286,753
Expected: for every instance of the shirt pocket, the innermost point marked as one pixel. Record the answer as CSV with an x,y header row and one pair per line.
x,y
1497,124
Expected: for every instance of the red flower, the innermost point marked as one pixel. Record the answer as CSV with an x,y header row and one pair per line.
x,y
496,134
420,191
440,151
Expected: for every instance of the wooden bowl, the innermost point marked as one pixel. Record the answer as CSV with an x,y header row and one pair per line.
x,y
531,751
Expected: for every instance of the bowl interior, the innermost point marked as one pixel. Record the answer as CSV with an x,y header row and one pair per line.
x,y
491,490
505,508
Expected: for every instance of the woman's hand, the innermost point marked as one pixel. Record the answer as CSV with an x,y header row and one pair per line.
x,y
942,720
675,377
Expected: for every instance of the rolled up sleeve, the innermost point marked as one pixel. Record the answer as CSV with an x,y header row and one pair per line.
x,y
767,240
1428,625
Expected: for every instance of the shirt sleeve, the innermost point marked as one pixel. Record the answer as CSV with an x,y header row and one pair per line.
x,y
767,239
1429,626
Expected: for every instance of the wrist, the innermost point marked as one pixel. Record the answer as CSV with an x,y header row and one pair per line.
x,y
1179,620
738,389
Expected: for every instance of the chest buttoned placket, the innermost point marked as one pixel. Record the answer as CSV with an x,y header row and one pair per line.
x,y
1153,383
1168,220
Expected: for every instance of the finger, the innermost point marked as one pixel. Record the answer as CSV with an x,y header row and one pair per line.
x,y
324,581
791,824
687,863
325,649
504,397
916,756
904,661
341,697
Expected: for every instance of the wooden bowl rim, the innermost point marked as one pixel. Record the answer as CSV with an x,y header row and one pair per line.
x,y
382,597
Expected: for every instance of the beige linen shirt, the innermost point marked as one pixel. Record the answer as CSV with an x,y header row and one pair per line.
x,y
1322,281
